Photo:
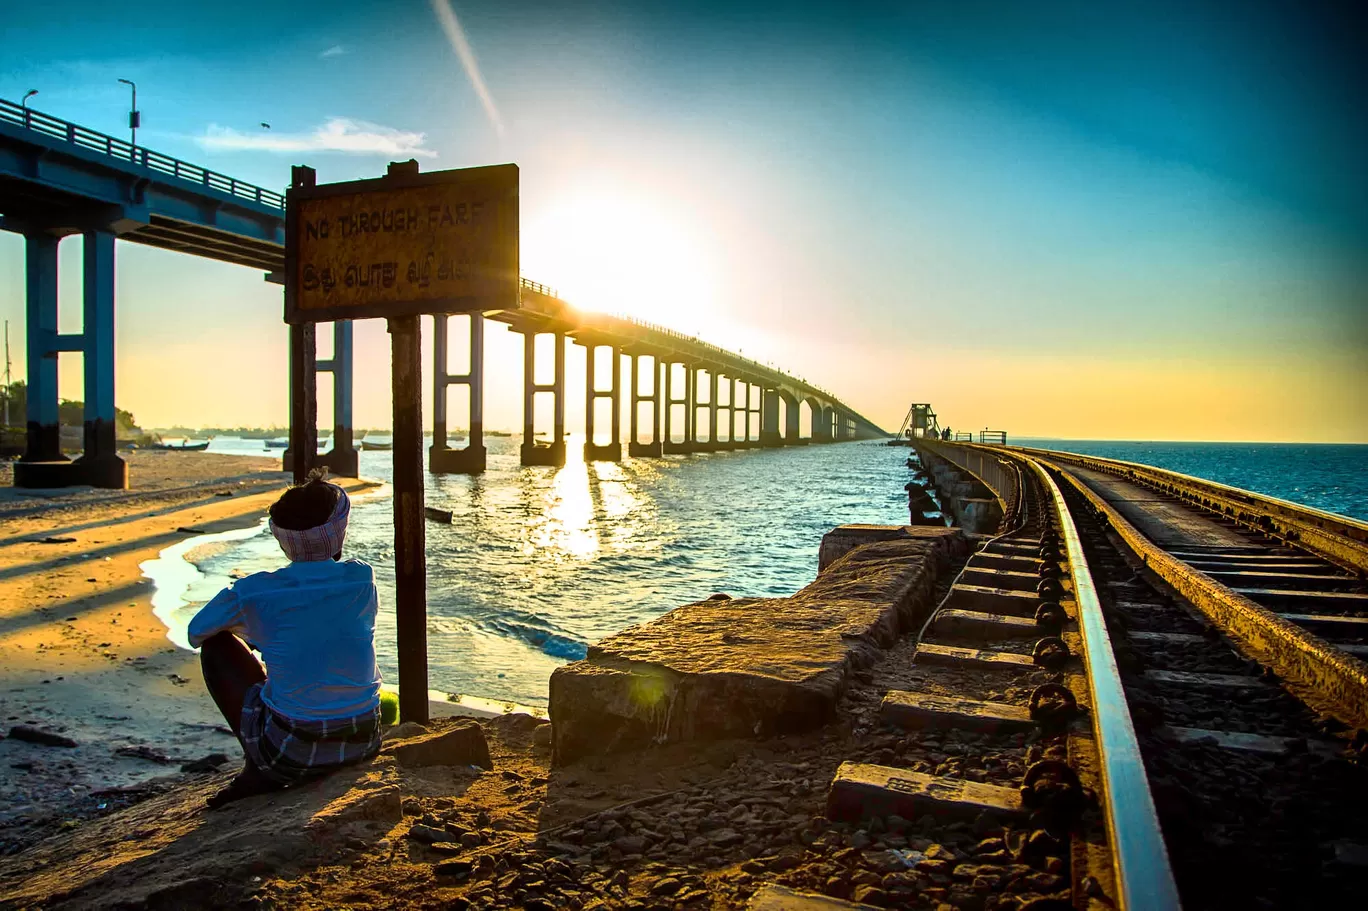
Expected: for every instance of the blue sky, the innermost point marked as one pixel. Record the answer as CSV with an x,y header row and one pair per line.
x,y
1075,219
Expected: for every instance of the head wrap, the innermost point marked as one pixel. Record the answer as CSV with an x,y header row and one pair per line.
x,y
321,541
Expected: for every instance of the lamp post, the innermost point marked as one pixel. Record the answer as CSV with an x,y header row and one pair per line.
x,y
23,103
134,118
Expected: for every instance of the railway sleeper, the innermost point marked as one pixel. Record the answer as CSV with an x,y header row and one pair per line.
x,y
860,791
972,658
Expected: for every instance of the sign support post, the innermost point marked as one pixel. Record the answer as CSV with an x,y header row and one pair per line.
x,y
396,247
410,533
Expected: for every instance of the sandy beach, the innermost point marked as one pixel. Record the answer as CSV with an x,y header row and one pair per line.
x,y
84,655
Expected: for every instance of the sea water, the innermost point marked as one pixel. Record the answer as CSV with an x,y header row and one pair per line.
x,y
540,562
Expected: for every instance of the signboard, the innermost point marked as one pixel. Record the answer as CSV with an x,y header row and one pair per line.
x,y
402,245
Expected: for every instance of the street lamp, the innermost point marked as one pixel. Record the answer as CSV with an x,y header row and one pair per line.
x,y
27,95
134,118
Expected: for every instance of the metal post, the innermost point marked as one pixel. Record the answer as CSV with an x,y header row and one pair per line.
x,y
100,465
410,551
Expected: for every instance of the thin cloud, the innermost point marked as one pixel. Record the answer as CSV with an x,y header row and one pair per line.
x,y
456,35
339,134
336,50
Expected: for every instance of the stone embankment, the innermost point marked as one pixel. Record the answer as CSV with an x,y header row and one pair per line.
x,y
968,501
739,667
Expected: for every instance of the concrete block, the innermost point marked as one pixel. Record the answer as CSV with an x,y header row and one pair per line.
x,y
461,744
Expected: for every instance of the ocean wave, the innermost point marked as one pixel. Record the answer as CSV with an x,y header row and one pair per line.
x,y
539,634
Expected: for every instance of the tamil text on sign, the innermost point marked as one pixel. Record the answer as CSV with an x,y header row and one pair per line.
x,y
441,242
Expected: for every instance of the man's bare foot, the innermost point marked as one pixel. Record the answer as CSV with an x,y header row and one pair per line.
x,y
248,783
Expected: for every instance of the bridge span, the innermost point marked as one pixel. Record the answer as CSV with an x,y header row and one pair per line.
x,y
58,178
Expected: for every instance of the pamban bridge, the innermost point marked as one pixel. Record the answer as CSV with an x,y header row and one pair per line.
x,y
59,178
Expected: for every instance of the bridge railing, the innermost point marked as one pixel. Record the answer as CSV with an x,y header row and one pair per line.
x,y
121,150
693,340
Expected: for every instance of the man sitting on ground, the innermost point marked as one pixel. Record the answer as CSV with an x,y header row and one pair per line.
x,y
316,705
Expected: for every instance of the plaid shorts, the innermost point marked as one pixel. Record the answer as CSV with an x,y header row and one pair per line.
x,y
289,751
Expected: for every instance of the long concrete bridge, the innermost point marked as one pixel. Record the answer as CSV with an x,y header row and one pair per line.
x,y
58,178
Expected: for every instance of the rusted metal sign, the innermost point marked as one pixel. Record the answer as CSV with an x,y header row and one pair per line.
x,y
403,245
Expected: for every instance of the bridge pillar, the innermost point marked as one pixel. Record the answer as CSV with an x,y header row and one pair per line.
x,y
712,410
341,459
793,424
471,458
731,412
612,450
769,419
821,424
635,448
687,444
43,464
100,465
44,439
534,453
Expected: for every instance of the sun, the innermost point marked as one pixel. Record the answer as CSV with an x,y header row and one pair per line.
x,y
612,247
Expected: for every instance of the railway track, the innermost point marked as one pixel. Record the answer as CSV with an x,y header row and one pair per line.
x,y
1118,743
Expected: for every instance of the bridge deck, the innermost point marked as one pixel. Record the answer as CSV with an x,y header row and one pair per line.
x,y
1163,520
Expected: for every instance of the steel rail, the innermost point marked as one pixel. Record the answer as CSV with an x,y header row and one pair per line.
x,y
1144,877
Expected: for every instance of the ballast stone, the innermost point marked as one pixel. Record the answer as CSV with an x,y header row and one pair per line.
x,y
751,666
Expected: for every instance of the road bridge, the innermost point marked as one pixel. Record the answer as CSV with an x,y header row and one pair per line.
x,y
58,178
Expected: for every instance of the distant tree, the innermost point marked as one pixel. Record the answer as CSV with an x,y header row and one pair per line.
x,y
69,412
17,393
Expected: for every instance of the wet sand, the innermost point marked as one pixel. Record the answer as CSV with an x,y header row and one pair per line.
x,y
83,654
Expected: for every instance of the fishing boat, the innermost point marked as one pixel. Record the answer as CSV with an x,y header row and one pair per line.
x,y
182,446
277,444
381,441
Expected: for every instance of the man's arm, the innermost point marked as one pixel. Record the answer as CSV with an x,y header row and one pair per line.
x,y
223,612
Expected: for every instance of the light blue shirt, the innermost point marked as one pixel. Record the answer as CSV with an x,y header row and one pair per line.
x,y
314,624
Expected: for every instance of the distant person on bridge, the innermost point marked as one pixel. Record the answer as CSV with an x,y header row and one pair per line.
x,y
316,705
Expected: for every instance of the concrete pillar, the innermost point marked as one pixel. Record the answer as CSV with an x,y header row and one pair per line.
x,y
731,412
712,409
821,424
44,442
769,419
341,459
534,453
635,448
792,423
612,450
100,465
471,458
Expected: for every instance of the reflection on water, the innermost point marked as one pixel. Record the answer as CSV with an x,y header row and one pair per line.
x,y
540,562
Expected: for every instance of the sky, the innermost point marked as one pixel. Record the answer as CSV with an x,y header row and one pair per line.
x,y
1081,220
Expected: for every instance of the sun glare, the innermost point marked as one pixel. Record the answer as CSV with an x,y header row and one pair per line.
x,y
610,248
